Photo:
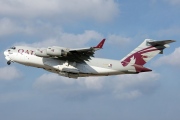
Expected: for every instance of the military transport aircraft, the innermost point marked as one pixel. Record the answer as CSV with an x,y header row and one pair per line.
x,y
80,62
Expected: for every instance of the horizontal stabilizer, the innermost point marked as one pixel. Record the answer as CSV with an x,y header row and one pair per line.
x,y
160,43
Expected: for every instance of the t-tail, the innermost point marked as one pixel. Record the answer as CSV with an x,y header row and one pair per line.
x,y
143,53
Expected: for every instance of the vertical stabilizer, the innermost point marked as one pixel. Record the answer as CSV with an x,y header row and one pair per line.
x,y
145,52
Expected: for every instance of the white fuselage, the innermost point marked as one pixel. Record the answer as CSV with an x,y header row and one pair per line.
x,y
74,63
93,67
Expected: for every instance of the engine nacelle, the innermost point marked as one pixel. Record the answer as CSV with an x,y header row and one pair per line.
x,y
53,51
41,52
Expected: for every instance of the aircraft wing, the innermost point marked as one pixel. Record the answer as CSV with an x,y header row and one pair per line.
x,y
75,55
81,54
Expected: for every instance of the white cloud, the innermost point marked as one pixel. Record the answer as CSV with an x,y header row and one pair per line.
x,y
117,39
78,40
67,39
99,10
55,82
8,27
93,83
132,86
11,26
39,17
121,87
172,59
9,73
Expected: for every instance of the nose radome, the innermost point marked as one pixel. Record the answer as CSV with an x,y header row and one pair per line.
x,y
5,52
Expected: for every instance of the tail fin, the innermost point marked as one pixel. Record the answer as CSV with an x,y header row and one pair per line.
x,y
145,52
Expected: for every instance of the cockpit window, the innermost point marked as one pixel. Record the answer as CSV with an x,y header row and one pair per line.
x,y
13,48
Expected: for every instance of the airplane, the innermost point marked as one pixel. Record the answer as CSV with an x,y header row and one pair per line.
x,y
80,62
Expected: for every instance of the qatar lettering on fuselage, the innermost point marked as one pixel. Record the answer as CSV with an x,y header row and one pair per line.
x,y
30,52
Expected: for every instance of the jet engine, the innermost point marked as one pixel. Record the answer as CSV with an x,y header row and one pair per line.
x,y
53,51
41,52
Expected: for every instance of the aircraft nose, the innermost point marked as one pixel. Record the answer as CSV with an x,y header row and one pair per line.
x,y
6,53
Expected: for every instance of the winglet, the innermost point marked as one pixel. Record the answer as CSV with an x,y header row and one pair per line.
x,y
100,45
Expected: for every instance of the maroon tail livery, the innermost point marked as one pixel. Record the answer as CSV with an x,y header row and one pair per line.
x,y
143,53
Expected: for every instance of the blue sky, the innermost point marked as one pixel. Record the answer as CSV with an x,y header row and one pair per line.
x,y
28,93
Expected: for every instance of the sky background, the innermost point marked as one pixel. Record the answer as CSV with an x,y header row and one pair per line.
x,y
28,93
